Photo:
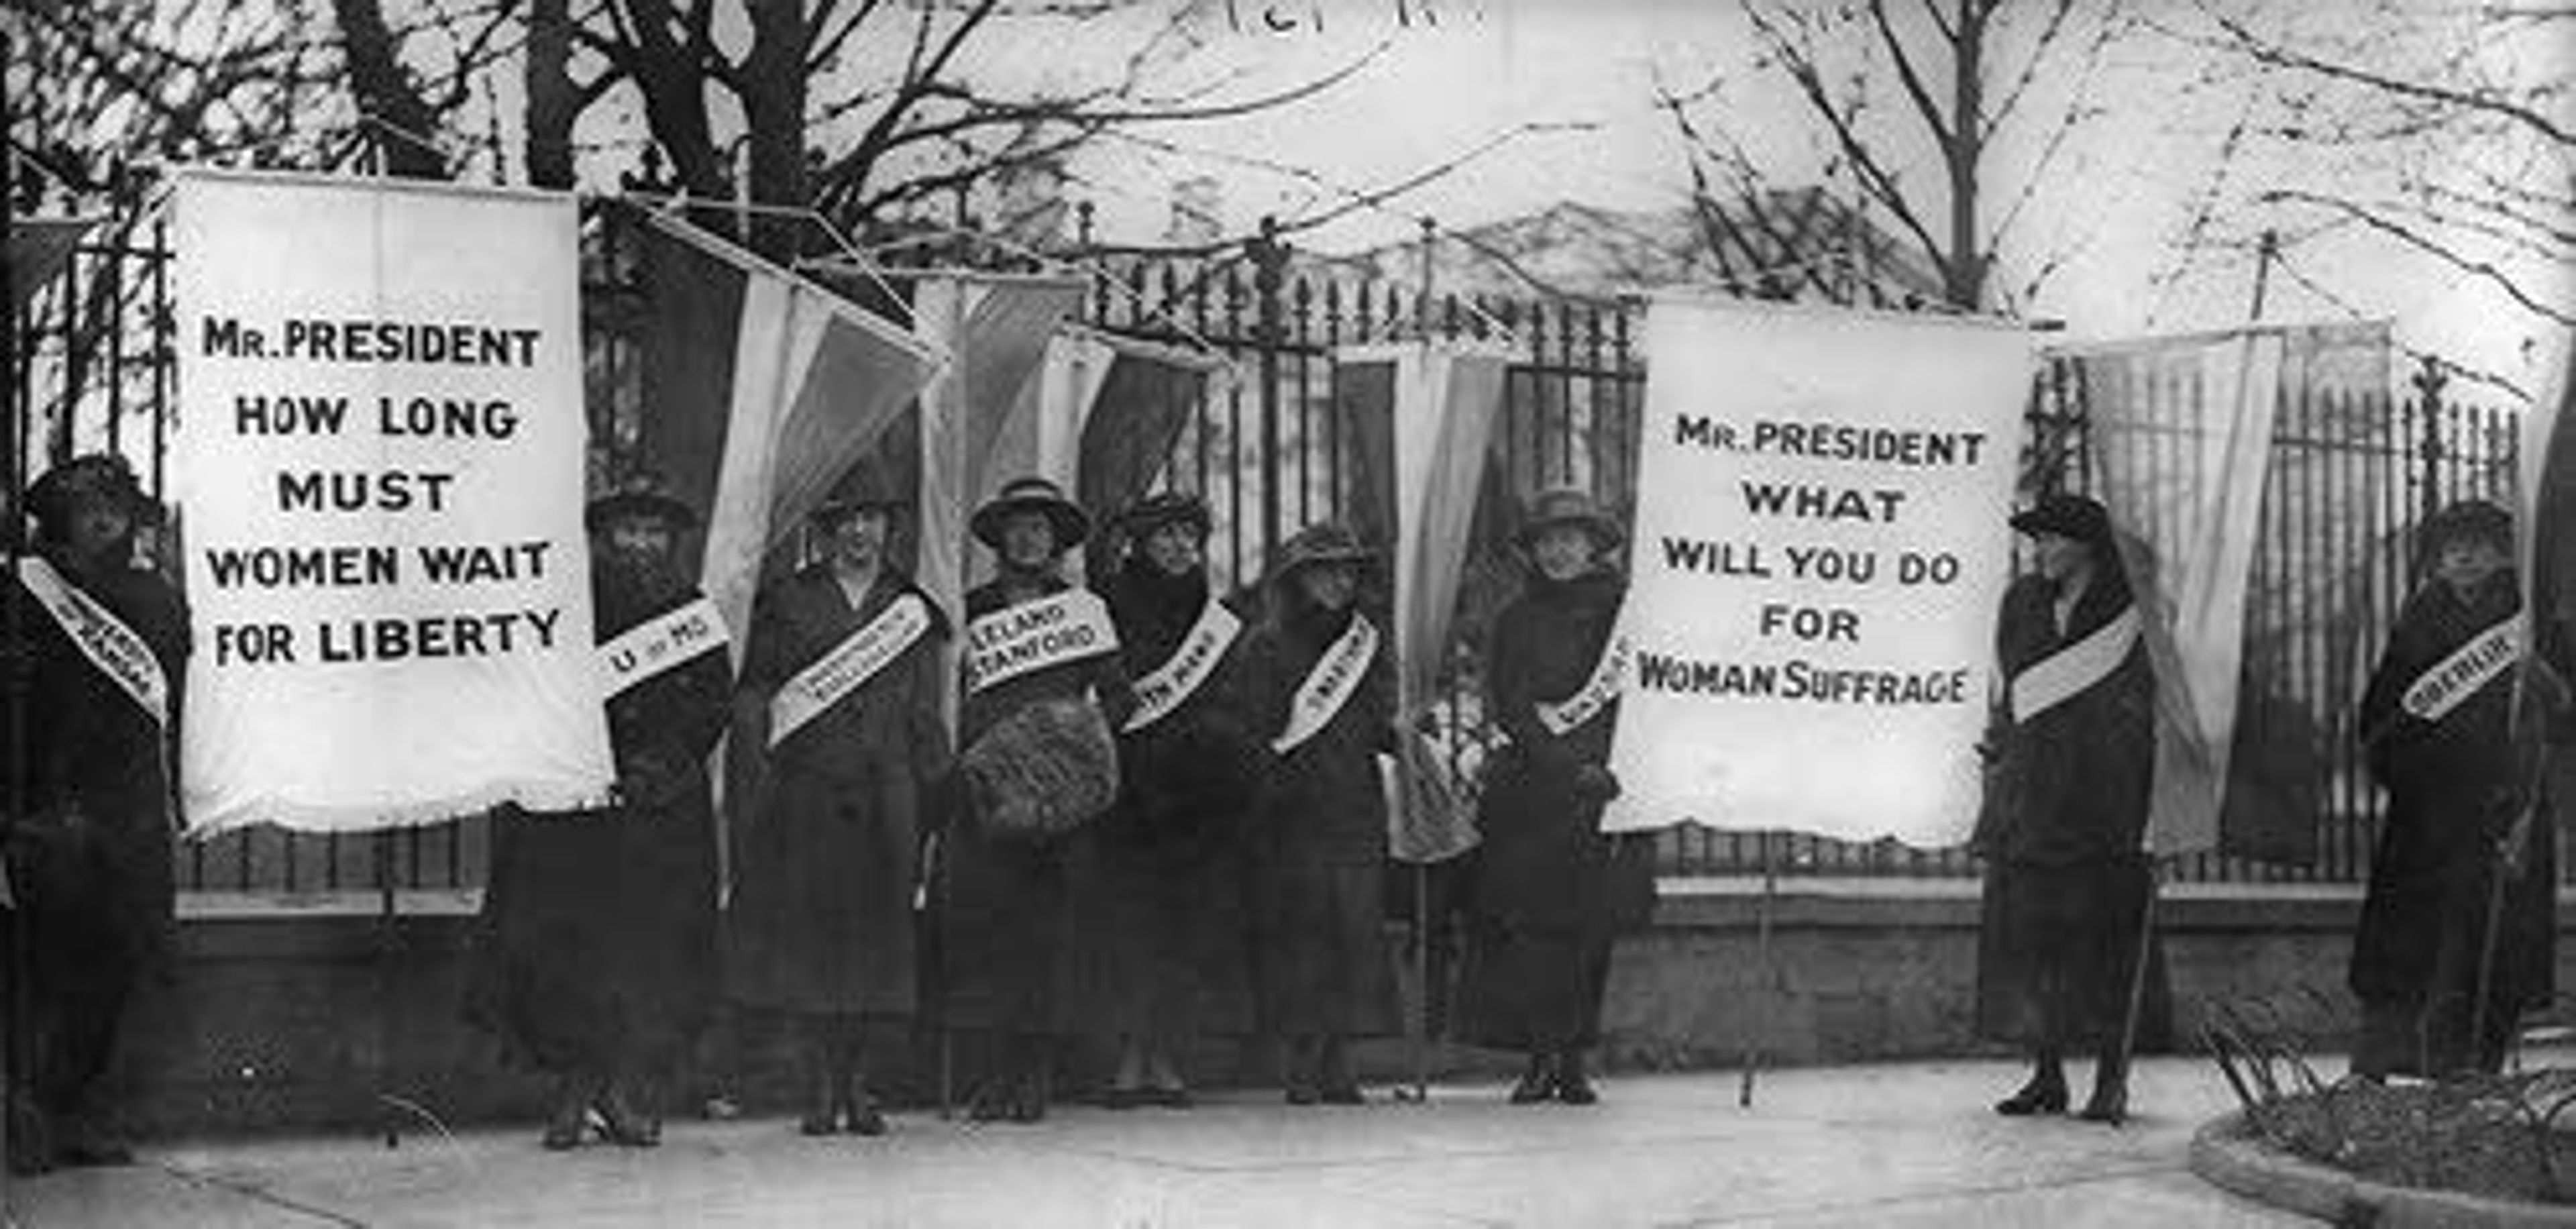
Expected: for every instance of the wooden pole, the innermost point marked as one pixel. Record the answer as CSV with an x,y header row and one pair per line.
x,y
1770,973
386,942
2138,973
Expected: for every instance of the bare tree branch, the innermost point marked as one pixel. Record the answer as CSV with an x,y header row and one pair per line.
x,y
2410,237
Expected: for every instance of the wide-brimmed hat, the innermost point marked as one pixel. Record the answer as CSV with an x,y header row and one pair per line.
x,y
2067,516
643,495
2467,518
1567,505
1325,542
1164,508
51,499
1031,494
861,487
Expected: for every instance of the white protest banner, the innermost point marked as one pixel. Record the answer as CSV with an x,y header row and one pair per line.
x,y
380,460
1820,548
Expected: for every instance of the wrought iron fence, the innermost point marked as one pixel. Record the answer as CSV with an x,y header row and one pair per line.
x,y
96,370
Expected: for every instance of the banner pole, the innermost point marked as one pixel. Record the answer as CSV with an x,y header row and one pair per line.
x,y
386,941
2138,971
1770,975
1421,979
16,1069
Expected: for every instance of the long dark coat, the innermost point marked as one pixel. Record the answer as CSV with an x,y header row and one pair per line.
x,y
1539,939
2066,812
823,896
1159,924
1318,843
1005,909
2451,794
94,893
598,935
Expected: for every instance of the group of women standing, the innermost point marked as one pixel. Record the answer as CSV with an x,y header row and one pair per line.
x,y
1164,816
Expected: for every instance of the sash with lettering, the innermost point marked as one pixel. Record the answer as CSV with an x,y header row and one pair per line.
x,y
1608,676
848,666
1332,682
2066,673
1051,631
118,652
1171,684
2485,658
667,640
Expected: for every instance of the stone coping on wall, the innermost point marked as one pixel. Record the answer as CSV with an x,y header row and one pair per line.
x,y
2225,1153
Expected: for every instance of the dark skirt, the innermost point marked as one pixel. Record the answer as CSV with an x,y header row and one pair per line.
x,y
2056,951
1320,952
1002,921
1159,939
823,919
596,945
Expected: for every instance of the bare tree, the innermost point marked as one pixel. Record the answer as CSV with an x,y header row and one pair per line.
x,y
2439,130
1916,104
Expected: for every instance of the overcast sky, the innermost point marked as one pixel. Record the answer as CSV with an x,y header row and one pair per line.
x,y
1450,76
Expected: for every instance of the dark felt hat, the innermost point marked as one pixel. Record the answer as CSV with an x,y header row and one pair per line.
x,y
53,496
1164,508
1567,505
2067,516
1031,494
2467,518
643,495
1325,542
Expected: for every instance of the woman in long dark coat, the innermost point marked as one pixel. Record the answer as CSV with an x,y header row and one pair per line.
x,y
822,926
2436,728
598,961
89,859
1318,844
1004,911
2065,818
1539,938
1158,917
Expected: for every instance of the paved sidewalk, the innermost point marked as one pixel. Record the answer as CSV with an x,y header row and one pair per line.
x,y
1900,1145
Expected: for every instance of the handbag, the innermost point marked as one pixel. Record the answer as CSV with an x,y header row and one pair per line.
x,y
1046,769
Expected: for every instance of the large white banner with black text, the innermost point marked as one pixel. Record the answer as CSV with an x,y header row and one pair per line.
x,y
1820,548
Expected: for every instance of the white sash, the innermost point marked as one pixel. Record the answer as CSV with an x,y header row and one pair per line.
x,y
110,645
1173,682
2064,674
852,662
661,643
1329,685
2468,669
1051,631
1608,676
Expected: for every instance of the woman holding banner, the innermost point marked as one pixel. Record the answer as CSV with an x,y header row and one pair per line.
x,y
1545,898
2073,741
841,690
1043,686
1324,687
1157,921
598,960
2437,731
89,857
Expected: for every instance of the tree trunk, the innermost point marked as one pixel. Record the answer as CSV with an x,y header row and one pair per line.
x,y
1963,273
773,103
405,128
553,103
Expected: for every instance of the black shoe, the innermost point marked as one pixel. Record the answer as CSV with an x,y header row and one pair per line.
x,y
568,1123
622,1124
1122,1098
1171,1098
865,1120
1342,1094
2036,1097
1303,1094
1538,1081
991,1103
89,1149
2108,1104
1573,1087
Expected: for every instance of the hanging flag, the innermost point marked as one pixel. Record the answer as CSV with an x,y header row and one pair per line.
x,y
1418,417
1819,553
38,249
2180,432
2549,520
379,451
760,389
1109,410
